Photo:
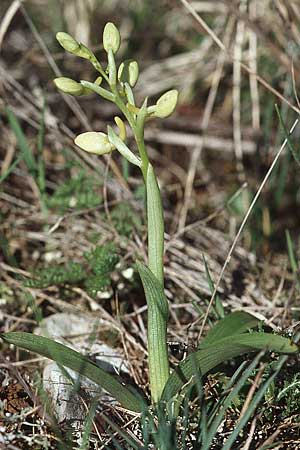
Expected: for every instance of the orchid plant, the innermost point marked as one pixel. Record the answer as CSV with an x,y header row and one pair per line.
x,y
229,337
121,82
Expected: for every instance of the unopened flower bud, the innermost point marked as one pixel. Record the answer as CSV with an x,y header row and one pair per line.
x,y
98,81
166,104
111,38
94,142
84,52
122,128
68,86
67,42
128,72
72,46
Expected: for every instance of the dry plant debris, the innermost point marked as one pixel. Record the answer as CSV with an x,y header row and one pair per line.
x,y
211,157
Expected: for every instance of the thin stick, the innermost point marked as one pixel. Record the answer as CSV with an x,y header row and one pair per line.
x,y
236,96
204,25
251,434
8,17
252,55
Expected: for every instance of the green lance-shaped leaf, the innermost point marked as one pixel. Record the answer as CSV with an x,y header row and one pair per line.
x,y
157,331
98,90
155,226
229,347
122,147
234,323
73,360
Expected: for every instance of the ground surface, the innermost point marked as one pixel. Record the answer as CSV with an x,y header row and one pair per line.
x,y
57,204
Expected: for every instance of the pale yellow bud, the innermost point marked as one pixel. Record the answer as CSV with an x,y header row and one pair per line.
x,y
111,38
68,86
72,46
67,42
84,52
128,72
122,128
98,81
166,104
94,142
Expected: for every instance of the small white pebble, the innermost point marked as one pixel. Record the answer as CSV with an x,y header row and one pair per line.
x,y
73,202
128,273
36,255
104,295
52,256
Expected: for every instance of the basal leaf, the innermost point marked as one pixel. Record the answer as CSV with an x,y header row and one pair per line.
x,y
157,331
67,357
235,323
222,350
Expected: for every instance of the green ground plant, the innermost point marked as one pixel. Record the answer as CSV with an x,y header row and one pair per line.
x,y
228,339
78,191
95,276
34,164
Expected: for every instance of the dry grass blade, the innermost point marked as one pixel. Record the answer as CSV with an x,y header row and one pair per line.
x,y
7,19
252,55
236,95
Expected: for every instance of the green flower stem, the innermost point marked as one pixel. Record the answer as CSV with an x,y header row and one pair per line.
x,y
99,69
155,226
98,90
154,204
138,133
112,69
157,321
137,126
159,369
139,137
